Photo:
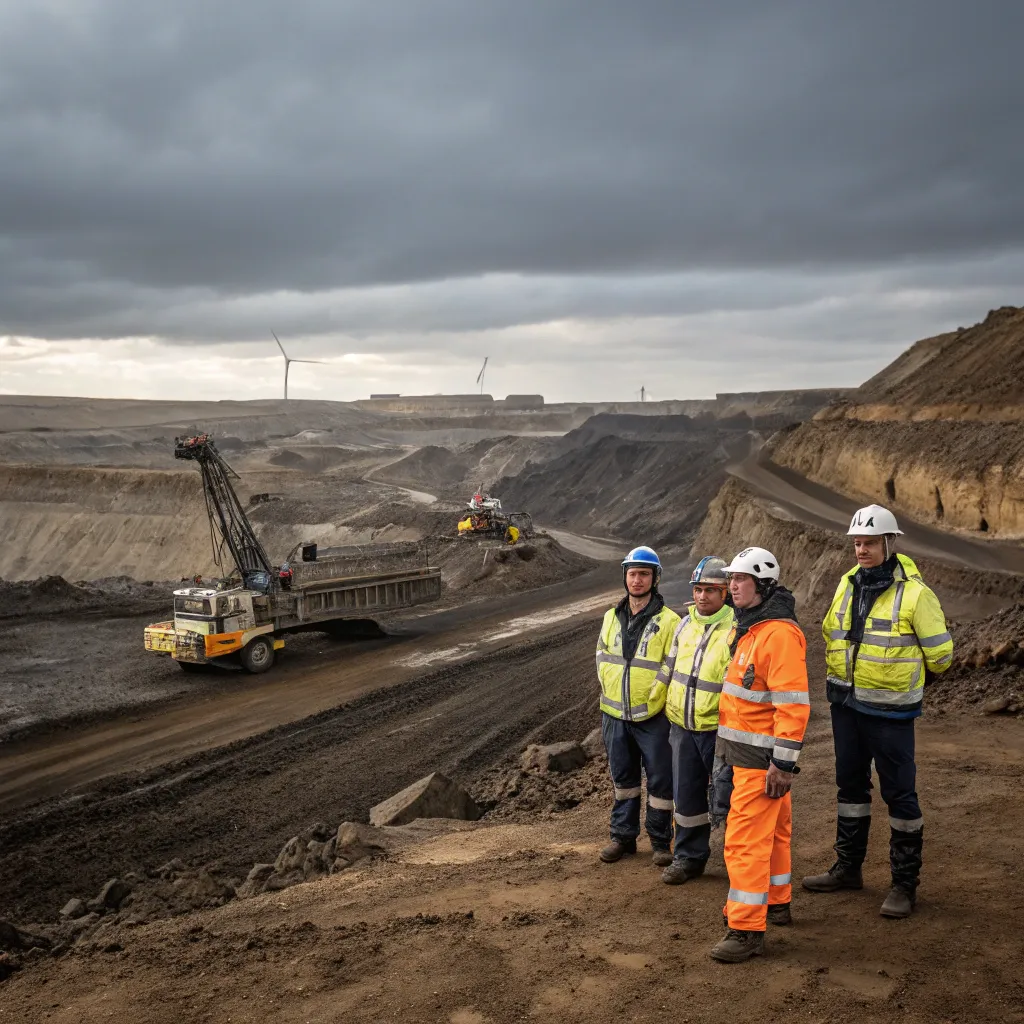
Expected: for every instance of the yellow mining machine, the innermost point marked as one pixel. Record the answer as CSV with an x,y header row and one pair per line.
x,y
485,519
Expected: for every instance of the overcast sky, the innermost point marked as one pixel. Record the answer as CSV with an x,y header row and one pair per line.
x,y
597,195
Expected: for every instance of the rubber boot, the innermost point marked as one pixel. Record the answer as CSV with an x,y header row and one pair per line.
x,y
852,840
851,847
661,857
905,863
779,914
680,871
616,850
738,946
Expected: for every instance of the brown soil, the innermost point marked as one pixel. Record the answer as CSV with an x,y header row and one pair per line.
x,y
983,364
509,920
936,435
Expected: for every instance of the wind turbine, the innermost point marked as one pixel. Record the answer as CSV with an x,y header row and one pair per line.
x,y
288,362
480,377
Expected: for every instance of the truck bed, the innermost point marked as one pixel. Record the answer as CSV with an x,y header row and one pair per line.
x,y
319,600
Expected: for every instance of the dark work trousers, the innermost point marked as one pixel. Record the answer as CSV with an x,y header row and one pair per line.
x,y
693,755
889,742
633,746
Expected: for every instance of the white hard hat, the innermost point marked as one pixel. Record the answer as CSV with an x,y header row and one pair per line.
x,y
757,562
872,521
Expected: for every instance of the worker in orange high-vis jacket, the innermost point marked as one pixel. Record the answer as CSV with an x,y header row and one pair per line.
x,y
762,716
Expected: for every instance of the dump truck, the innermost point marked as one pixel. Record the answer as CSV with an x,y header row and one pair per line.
x,y
245,616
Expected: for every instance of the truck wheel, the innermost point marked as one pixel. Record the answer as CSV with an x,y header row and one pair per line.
x,y
257,655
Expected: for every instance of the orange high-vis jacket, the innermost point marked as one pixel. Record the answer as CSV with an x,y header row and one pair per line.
x,y
765,706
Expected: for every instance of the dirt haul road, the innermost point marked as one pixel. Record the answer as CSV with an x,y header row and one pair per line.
x,y
811,503
58,764
240,803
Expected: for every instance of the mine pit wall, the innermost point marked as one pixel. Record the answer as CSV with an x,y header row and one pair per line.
x,y
85,523
957,475
813,559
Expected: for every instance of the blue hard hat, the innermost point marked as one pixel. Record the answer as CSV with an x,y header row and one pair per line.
x,y
642,556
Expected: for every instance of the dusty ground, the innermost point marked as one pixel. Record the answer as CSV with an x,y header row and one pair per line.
x,y
517,920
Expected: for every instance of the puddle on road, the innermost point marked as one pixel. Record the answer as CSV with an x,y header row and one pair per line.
x,y
515,627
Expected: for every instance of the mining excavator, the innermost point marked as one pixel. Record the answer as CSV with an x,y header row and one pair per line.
x,y
244,616
484,518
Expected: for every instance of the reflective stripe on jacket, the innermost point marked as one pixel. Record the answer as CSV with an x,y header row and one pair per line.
x,y
631,690
904,633
765,706
696,667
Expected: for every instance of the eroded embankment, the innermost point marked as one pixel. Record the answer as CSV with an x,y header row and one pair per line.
x,y
964,475
89,522
983,608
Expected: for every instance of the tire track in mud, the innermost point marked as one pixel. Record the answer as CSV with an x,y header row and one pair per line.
x,y
239,804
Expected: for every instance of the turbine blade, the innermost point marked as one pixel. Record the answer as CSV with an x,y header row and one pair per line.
x,y
279,345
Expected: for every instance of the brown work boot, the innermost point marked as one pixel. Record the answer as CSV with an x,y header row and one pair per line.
x,y
661,857
897,904
779,914
839,876
616,850
738,946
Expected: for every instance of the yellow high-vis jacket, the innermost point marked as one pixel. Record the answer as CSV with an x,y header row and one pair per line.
x,y
631,689
904,634
695,668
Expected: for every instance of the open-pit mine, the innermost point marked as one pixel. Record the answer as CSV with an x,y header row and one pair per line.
x,y
276,739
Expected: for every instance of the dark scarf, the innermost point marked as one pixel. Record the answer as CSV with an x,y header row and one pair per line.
x,y
633,625
868,586
780,604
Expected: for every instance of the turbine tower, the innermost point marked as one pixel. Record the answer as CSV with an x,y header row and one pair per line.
x,y
480,377
288,362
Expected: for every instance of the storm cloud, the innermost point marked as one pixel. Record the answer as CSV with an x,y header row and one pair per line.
x,y
398,176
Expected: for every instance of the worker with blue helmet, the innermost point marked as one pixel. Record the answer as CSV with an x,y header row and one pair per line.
x,y
631,654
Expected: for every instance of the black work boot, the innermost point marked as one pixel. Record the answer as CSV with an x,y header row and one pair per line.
x,y
905,864
680,871
779,914
839,876
738,946
661,857
617,849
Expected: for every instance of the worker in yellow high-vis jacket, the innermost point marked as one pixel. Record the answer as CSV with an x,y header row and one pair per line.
x,y
884,633
631,651
694,670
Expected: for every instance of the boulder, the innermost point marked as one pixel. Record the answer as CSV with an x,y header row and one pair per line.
x,y
593,745
13,938
997,705
73,908
292,854
556,757
355,842
278,880
434,796
255,880
112,895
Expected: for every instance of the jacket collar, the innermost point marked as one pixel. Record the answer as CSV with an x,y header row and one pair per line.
x,y
906,569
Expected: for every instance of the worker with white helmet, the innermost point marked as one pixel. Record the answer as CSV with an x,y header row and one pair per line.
x,y
694,671
884,634
631,652
761,721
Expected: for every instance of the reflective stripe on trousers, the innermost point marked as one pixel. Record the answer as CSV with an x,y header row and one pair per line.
x,y
757,851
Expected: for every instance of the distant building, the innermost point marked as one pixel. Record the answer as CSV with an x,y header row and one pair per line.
x,y
372,397
524,403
